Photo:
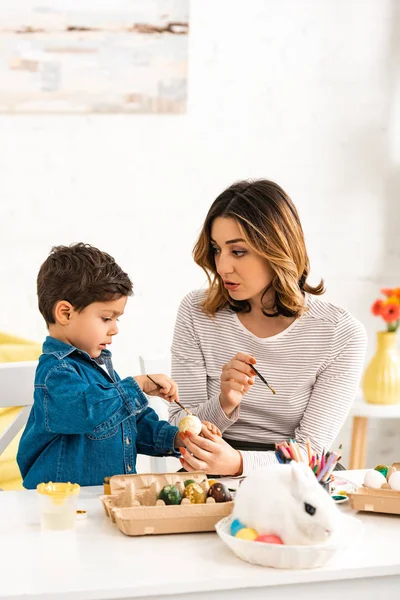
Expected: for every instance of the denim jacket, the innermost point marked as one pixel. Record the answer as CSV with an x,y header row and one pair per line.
x,y
86,423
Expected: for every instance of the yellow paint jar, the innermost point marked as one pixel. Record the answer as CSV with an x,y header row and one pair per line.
x,y
58,504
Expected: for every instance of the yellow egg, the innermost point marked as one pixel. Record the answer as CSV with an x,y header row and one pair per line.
x,y
190,423
247,534
212,481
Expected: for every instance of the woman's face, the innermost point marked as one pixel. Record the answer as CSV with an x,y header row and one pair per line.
x,y
244,273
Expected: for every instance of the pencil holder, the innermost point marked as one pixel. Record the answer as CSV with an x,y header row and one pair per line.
x,y
327,485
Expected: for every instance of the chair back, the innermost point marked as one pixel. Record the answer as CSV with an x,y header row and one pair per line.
x,y
16,390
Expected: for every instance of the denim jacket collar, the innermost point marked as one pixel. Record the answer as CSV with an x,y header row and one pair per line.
x,y
60,350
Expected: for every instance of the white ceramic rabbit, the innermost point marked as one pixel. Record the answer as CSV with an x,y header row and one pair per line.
x,y
288,501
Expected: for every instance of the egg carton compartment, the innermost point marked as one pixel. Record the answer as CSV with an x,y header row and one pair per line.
x,y
135,508
382,500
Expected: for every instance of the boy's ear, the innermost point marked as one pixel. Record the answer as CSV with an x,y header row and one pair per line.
x,y
62,312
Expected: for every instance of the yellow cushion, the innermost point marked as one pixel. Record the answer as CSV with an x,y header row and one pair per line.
x,y
13,349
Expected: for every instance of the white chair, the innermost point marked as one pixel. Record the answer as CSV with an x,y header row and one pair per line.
x,y
158,364
16,389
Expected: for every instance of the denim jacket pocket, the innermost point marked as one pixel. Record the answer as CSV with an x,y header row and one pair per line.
x,y
103,435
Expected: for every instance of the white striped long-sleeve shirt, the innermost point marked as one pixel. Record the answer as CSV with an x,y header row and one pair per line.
x,y
314,366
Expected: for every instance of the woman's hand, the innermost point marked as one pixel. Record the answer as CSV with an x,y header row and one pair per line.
x,y
159,385
209,453
180,439
236,379
212,428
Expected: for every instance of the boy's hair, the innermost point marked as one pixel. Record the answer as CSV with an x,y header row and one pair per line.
x,y
80,274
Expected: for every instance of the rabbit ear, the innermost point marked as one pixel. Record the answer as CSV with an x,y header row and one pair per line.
x,y
302,478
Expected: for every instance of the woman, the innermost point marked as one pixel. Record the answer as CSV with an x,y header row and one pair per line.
x,y
260,310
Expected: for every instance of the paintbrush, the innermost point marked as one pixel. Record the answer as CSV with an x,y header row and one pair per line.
x,y
262,378
176,401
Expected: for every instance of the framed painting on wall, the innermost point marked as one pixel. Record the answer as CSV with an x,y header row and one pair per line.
x,y
93,56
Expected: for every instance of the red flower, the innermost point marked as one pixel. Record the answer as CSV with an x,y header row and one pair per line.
x,y
376,308
387,292
390,312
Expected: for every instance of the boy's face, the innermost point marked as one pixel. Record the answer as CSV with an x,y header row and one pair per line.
x,y
91,330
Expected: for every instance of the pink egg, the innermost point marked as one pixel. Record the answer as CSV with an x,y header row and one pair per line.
x,y
269,539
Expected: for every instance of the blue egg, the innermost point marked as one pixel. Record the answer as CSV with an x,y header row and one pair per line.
x,y
236,526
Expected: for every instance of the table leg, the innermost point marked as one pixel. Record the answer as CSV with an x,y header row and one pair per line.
x,y
358,443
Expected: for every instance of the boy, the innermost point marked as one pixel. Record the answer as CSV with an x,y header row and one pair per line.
x,y
86,423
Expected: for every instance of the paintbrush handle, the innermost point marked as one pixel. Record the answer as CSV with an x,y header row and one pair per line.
x,y
182,407
176,401
262,378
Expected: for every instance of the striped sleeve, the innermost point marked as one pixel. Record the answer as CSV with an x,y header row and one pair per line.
x,y
335,387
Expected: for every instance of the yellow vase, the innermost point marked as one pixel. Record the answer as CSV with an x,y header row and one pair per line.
x,y
381,381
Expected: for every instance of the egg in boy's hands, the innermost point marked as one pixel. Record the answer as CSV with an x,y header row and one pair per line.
x,y
192,425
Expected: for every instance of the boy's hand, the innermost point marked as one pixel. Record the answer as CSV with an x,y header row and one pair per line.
x,y
159,385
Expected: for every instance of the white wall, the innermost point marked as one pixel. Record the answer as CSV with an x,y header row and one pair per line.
x,y
302,92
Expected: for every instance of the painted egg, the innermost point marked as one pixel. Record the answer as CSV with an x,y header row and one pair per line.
x,y
269,539
394,481
195,493
190,423
374,479
170,494
212,481
247,534
219,492
188,482
236,525
382,469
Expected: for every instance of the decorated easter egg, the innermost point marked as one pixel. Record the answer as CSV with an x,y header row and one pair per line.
x,y
269,539
212,481
236,525
374,479
170,494
382,469
219,492
190,423
195,493
394,481
247,534
188,482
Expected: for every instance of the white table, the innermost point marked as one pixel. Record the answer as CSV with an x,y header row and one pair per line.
x,y
98,562
362,412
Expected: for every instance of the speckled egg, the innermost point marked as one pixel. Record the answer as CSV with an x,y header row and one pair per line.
x,y
394,481
190,423
374,479
382,469
189,481
195,493
219,492
170,494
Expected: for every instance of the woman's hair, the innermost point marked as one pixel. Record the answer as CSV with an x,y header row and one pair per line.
x,y
80,274
271,226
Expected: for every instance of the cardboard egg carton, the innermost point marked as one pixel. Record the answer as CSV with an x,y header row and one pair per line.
x,y
383,500
134,506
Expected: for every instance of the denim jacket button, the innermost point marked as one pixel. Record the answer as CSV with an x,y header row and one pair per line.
x,y
129,468
127,441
